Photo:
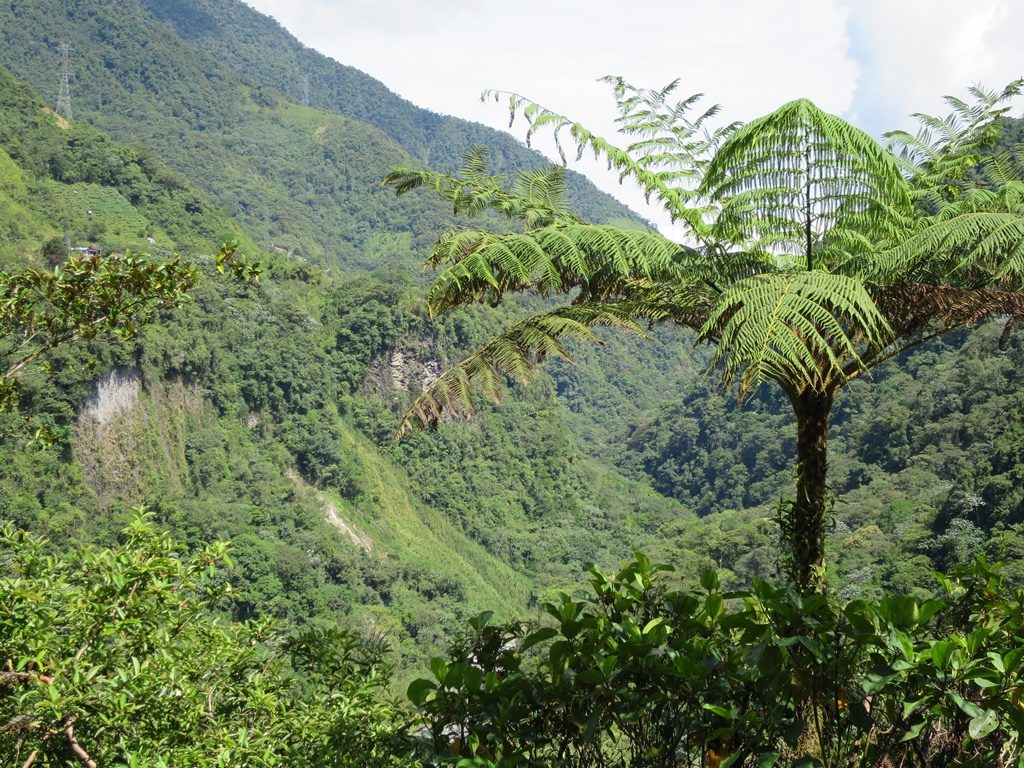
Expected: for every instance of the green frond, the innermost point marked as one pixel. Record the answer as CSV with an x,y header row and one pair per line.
x,y
512,354
686,304
786,179
482,266
535,197
973,249
474,163
721,268
541,187
796,328
938,157
1006,167
405,179
667,160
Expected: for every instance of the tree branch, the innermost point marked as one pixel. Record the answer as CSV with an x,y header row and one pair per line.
x,y
81,754
11,679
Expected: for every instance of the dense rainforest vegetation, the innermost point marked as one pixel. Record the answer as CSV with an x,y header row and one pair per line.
x,y
261,414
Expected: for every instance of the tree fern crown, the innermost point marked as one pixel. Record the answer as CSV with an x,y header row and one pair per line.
x,y
812,252
799,179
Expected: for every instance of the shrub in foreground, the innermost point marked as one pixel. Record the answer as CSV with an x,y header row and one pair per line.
x,y
635,673
112,657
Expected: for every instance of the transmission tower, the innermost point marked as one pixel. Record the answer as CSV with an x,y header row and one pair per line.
x,y
305,90
64,97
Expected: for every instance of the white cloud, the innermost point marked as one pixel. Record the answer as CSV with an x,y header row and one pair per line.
x,y
749,55
913,52
872,60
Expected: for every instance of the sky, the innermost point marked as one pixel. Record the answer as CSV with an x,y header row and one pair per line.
x,y
871,61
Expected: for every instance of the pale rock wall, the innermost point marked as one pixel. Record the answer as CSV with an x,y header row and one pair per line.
x,y
116,393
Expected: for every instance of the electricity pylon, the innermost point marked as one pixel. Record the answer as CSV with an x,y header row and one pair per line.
x,y
64,97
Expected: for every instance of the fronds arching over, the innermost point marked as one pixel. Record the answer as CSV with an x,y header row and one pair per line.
x,y
792,327
513,353
785,181
812,253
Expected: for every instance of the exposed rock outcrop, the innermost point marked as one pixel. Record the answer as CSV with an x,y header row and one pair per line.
x,y
116,393
406,367
126,432
333,516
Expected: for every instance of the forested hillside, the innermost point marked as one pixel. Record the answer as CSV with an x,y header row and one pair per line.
x,y
268,54
223,419
302,180
264,414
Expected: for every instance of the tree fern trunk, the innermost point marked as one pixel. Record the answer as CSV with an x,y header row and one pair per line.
x,y
807,517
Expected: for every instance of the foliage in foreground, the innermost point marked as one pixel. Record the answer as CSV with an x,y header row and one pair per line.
x,y
635,673
111,657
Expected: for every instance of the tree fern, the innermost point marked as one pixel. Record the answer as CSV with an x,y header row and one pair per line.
x,y
512,354
815,254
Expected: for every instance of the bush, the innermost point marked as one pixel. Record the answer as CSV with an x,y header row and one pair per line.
x,y
635,673
112,657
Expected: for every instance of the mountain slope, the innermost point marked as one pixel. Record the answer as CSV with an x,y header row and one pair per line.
x,y
217,417
251,42
304,180
280,400
263,415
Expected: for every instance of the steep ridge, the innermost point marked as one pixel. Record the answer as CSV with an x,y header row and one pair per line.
x,y
251,42
304,180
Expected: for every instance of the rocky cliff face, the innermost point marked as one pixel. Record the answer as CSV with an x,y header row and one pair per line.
x,y
408,367
116,393
126,431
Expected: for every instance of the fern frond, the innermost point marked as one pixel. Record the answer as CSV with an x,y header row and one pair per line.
x,y
1006,167
665,162
720,268
512,354
535,197
795,328
482,266
787,179
938,157
973,249
686,304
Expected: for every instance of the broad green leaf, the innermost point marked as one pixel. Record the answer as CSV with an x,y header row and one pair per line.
x,y
419,690
942,650
709,579
714,605
914,731
439,668
655,622
542,634
727,713
982,725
